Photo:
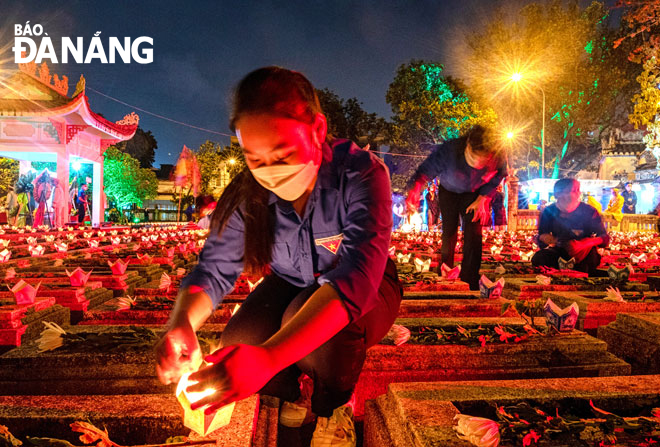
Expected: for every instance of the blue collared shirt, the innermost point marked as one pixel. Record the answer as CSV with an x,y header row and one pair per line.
x,y
447,162
342,238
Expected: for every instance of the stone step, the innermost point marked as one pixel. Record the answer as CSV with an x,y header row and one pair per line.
x,y
129,419
106,314
636,339
27,327
421,414
25,371
595,311
528,289
567,355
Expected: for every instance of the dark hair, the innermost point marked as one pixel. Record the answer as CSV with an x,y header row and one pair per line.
x,y
483,140
277,91
563,185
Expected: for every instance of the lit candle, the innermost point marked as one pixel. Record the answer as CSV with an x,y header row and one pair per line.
x,y
196,420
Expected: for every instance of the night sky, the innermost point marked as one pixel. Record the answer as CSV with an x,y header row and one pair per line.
x,y
203,48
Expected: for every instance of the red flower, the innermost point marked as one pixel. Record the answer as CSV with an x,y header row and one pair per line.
x,y
504,335
529,437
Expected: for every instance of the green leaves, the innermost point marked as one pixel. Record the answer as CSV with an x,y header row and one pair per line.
x,y
468,335
133,337
48,442
523,421
125,182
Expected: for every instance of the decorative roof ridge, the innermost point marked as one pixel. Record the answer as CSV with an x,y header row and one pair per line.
x,y
125,127
61,86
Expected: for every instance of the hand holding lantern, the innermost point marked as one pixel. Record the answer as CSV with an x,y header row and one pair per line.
x,y
178,353
237,372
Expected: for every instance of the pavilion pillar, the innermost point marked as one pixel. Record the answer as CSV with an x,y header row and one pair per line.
x,y
98,205
24,166
63,178
512,202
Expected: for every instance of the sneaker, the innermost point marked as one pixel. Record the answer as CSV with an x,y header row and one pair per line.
x,y
295,414
336,431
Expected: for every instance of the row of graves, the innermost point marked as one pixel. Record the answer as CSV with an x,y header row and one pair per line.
x,y
547,358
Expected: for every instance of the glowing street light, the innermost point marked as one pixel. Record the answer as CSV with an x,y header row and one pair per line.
x,y
517,77
232,161
510,135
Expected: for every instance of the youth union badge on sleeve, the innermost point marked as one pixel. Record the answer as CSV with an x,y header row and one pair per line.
x,y
330,243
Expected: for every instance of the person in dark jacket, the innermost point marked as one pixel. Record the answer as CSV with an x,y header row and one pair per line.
x,y
569,229
498,211
469,169
319,214
81,203
630,199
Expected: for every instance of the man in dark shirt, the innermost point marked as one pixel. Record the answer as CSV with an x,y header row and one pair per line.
x,y
630,199
468,170
570,229
82,203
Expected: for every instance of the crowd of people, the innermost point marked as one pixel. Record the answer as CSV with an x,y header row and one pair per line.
x,y
313,215
45,201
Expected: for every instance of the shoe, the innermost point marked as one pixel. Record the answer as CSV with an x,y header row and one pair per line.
x,y
295,414
336,431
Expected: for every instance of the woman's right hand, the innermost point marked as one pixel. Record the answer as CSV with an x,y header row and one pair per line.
x,y
177,352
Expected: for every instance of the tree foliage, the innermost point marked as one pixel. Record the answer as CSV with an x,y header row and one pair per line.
x,y
347,119
641,39
213,158
565,52
428,108
125,182
8,175
142,147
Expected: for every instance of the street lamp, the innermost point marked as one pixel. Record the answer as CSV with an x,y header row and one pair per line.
x,y
517,77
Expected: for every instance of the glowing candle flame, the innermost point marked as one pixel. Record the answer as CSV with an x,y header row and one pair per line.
x,y
196,420
193,397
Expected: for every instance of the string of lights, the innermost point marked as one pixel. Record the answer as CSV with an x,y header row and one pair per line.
x,y
159,116
192,126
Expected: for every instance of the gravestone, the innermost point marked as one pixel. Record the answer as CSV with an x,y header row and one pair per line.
x,y
421,414
635,338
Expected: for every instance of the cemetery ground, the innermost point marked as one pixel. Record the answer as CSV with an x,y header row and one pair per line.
x,y
82,309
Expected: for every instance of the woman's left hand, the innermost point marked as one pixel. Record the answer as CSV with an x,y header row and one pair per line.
x,y
237,372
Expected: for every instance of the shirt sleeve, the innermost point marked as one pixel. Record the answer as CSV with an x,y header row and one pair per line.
x,y
488,189
435,164
367,230
545,226
597,227
220,262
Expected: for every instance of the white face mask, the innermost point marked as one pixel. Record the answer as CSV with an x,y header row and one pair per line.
x,y
288,181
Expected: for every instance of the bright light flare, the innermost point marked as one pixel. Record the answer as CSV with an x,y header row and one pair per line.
x,y
510,135
193,397
196,420
516,77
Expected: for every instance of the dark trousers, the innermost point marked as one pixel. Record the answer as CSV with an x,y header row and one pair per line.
x,y
452,207
549,257
335,366
81,212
